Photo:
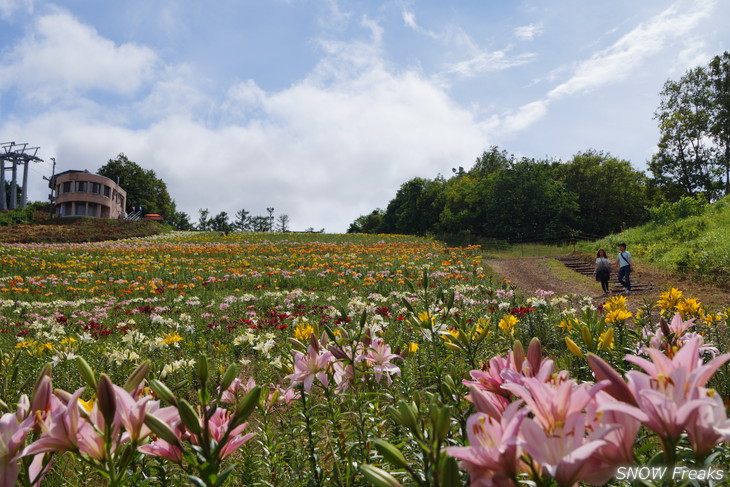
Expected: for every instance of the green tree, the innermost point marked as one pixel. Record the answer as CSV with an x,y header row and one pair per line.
x,y
282,223
416,207
684,164
260,223
220,223
203,219
610,194
181,221
143,187
526,202
242,221
8,188
492,161
371,223
719,75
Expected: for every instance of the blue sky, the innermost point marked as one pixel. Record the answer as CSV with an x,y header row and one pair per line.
x,y
322,108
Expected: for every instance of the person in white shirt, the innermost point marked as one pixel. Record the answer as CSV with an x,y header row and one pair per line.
x,y
625,267
603,269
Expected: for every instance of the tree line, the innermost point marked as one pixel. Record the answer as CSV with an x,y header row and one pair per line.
x,y
506,198
145,190
593,194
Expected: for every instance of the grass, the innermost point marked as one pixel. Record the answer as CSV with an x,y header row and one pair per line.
x,y
696,246
559,270
531,250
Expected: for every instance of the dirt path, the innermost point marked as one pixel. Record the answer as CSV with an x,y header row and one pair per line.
x,y
531,273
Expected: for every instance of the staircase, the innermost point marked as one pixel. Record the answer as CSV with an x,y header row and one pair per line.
x,y
586,268
134,216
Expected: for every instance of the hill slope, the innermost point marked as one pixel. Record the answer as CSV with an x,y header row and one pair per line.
x,y
696,246
78,230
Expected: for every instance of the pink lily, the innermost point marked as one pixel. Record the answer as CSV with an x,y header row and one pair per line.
x,y
670,395
131,414
60,428
708,426
12,435
379,356
563,452
161,448
553,404
511,369
619,448
237,389
493,457
307,367
218,424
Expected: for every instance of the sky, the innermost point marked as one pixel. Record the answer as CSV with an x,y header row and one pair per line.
x,y
321,109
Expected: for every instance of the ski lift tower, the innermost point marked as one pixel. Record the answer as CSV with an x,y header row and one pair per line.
x,y
11,155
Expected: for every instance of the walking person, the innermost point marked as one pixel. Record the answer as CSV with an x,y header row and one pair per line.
x,y
625,267
603,270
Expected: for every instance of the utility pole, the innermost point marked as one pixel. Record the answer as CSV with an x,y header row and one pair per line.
x,y
52,185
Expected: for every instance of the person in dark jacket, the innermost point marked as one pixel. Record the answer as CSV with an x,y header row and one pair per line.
x,y
603,270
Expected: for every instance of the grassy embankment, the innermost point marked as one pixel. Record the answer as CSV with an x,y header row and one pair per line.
x,y
696,246
77,230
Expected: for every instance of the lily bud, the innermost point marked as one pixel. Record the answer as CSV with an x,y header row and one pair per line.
x,y
518,354
378,477
228,377
391,453
246,407
534,354
41,394
189,417
201,369
163,392
573,347
86,373
161,429
136,377
106,399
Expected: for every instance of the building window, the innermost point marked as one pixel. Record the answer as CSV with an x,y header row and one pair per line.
x,y
80,209
96,188
67,187
107,190
81,186
92,210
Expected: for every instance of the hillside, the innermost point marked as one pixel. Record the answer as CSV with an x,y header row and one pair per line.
x,y
694,246
78,230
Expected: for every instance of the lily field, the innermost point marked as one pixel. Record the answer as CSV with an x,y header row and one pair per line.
x,y
315,359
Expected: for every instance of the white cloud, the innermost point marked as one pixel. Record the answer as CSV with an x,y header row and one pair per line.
x,y
9,7
62,56
486,61
528,32
615,63
330,147
628,53
409,18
